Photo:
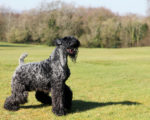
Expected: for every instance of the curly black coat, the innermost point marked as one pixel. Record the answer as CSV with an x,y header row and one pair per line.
x,y
44,77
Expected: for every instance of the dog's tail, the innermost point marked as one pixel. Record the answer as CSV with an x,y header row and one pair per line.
x,y
22,57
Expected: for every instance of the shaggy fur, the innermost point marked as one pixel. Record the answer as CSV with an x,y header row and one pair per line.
x,y
43,77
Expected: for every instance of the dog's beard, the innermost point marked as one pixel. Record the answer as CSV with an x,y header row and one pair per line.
x,y
74,56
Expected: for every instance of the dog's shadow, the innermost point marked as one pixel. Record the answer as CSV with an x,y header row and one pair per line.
x,y
34,106
80,106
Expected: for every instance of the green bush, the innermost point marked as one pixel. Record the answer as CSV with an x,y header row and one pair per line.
x,y
94,27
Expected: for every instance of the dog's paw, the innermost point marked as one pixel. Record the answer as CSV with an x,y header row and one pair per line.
x,y
11,107
59,112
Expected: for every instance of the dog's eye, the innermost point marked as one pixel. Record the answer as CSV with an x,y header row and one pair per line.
x,y
65,38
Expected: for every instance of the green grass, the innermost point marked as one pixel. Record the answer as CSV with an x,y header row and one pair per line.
x,y
108,84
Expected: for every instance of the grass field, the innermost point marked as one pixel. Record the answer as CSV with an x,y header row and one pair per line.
x,y
108,84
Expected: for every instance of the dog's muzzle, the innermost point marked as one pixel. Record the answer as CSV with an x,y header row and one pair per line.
x,y
72,51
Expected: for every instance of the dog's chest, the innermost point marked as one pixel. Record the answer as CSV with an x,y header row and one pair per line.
x,y
61,73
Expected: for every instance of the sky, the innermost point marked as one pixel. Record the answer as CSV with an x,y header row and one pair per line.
x,y
121,7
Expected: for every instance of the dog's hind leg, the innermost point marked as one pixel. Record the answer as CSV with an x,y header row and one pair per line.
x,y
43,97
19,96
11,103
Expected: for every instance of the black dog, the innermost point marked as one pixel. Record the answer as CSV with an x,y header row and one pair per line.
x,y
44,77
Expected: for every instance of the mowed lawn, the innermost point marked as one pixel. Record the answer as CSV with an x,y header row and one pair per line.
x,y
107,84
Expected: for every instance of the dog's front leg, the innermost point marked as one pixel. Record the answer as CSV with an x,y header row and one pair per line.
x,y
57,92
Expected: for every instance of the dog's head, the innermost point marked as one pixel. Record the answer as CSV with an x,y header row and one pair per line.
x,y
71,45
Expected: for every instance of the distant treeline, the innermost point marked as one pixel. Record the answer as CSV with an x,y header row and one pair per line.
x,y
94,27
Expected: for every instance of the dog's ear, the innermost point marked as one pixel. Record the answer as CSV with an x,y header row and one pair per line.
x,y
58,42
